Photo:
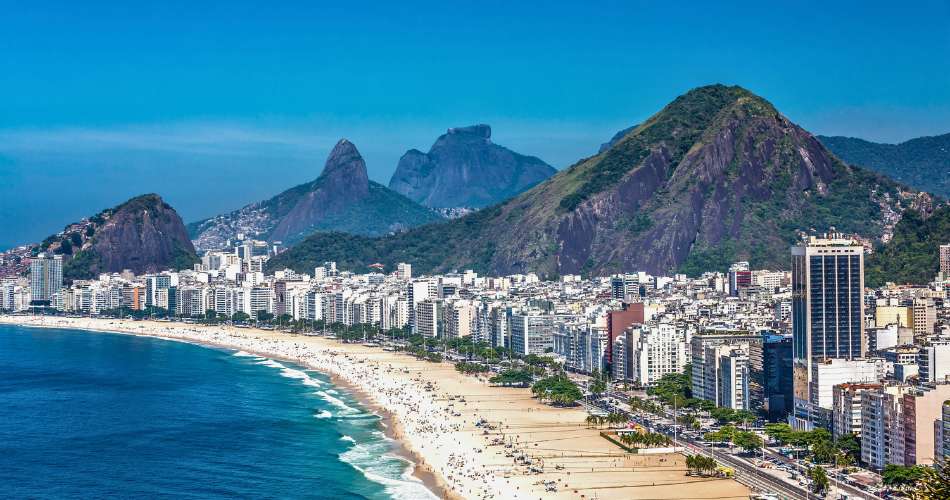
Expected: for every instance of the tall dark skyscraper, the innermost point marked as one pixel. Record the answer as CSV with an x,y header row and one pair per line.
x,y
777,375
827,313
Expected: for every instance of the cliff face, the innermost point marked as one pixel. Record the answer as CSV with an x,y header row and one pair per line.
x,y
716,176
144,235
465,169
342,198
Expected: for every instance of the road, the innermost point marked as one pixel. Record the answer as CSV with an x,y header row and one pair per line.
x,y
750,475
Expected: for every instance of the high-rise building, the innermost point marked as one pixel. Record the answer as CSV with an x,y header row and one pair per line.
x,y
708,379
827,313
46,277
934,361
925,317
945,260
532,333
404,271
619,321
623,286
429,318
459,317
777,376
848,403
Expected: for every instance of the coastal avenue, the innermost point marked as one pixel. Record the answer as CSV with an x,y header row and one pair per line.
x,y
746,473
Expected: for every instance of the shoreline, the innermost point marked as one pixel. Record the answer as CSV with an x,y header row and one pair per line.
x,y
390,426
431,413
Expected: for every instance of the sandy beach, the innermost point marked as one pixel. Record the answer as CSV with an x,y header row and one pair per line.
x,y
456,426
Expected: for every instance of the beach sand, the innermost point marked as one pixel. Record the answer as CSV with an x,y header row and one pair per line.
x,y
422,408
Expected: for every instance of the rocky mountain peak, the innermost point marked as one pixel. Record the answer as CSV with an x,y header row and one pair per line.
x,y
463,168
481,131
346,164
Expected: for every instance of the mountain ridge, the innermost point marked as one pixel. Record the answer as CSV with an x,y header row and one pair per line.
x,y
922,162
464,168
341,198
717,175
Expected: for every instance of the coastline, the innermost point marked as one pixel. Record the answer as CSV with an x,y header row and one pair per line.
x,y
430,411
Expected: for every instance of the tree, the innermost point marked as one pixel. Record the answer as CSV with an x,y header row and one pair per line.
x,y
240,317
779,432
559,390
748,441
850,446
819,479
934,483
598,385
211,315
512,377
900,476
264,316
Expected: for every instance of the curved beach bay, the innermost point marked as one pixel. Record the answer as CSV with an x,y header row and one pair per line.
x,y
95,415
420,403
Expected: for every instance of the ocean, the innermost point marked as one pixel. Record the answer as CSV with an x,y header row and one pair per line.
x,y
96,415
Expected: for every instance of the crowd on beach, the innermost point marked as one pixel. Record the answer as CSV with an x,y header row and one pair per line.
x,y
453,438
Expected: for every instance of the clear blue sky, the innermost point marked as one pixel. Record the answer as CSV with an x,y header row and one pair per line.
x,y
223,103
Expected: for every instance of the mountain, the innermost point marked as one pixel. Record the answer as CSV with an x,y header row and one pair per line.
x,y
615,139
144,234
342,198
465,169
716,176
923,163
912,255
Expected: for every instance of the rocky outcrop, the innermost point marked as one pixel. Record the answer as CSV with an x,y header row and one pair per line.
x,y
143,235
717,176
465,169
342,198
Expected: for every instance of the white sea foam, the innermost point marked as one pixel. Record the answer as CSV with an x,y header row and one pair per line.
x,y
372,459
339,403
271,363
347,438
331,391
300,375
323,414
245,354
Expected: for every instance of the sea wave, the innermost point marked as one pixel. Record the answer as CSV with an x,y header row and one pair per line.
x,y
347,438
285,371
245,354
324,414
374,460
339,403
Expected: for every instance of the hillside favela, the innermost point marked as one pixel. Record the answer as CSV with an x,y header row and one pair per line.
x,y
606,251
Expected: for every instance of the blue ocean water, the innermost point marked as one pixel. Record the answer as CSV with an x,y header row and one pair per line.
x,y
95,415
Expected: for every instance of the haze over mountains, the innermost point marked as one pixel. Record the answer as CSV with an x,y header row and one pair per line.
x,y
342,198
465,169
923,163
716,176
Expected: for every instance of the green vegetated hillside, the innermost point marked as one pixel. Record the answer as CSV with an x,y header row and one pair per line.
x,y
923,163
912,256
144,234
717,175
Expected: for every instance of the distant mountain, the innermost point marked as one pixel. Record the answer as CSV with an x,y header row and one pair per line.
x,y
615,139
144,234
342,198
923,163
465,169
912,256
716,176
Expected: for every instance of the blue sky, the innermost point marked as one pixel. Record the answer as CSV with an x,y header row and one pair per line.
x,y
216,104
